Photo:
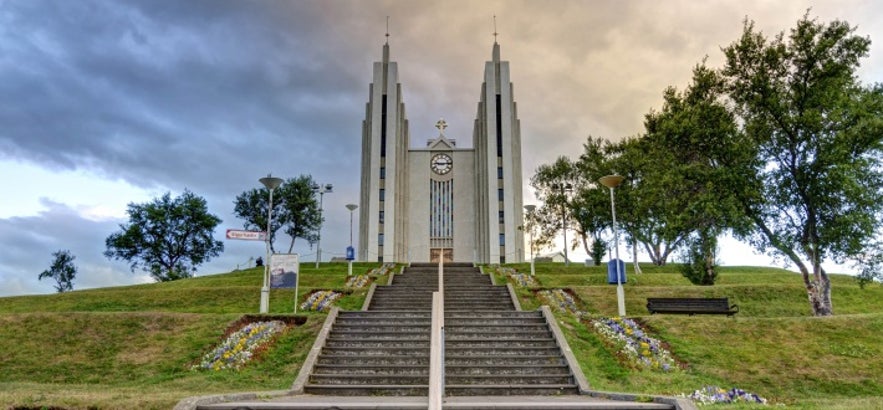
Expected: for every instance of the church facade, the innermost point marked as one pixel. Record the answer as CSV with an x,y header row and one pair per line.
x,y
420,204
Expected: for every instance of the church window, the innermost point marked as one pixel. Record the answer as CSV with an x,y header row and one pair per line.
x,y
502,239
383,128
499,126
381,216
501,217
382,172
380,239
382,195
499,194
499,172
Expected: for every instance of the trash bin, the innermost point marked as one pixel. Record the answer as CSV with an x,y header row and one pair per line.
x,y
611,271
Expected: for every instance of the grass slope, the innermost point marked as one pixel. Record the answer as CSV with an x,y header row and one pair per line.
x,y
773,347
130,347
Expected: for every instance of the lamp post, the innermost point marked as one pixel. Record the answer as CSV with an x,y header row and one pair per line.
x,y
613,181
351,207
321,190
530,209
271,183
565,189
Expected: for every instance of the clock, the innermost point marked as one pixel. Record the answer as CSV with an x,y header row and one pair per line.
x,y
441,164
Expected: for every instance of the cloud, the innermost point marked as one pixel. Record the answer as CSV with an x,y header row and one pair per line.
x,y
210,95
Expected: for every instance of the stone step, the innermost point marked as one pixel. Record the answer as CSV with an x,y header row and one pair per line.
x,y
494,379
379,336
373,360
463,360
506,370
493,314
362,370
510,390
376,344
503,336
503,351
497,328
382,321
362,379
488,343
367,390
470,321
355,329
370,351
381,315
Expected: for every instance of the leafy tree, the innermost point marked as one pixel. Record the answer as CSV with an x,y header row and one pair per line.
x,y
167,237
62,270
810,168
295,210
694,128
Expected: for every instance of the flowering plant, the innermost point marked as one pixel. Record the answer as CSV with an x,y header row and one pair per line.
x,y
519,279
714,394
235,351
358,281
384,269
561,300
634,345
320,300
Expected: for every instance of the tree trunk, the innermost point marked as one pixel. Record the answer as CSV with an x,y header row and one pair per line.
x,y
635,258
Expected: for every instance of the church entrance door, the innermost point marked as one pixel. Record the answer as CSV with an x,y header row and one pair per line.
x,y
435,253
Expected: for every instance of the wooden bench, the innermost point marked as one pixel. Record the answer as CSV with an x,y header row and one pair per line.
x,y
692,306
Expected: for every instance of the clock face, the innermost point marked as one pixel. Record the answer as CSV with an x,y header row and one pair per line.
x,y
441,164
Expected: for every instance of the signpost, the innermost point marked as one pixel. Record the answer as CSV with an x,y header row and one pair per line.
x,y
246,235
284,272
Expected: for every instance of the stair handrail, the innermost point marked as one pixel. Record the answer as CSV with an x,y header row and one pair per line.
x,y
437,353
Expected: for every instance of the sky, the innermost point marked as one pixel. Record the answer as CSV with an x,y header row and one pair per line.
x,y
106,103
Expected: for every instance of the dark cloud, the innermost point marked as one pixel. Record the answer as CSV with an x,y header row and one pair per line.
x,y
210,95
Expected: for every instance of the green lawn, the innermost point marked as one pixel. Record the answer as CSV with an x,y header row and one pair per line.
x,y
131,347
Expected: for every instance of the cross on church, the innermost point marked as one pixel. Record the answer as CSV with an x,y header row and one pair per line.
x,y
441,125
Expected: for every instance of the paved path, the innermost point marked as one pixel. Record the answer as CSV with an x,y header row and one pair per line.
x,y
419,403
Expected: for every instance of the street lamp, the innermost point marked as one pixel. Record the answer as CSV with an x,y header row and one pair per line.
x,y
351,207
613,181
271,183
564,189
321,190
530,209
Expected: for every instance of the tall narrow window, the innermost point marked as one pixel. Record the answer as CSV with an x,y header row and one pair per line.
x,y
499,172
501,217
383,127
502,239
382,194
381,216
383,173
380,239
499,126
499,194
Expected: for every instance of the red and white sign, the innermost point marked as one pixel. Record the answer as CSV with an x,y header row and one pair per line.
x,y
246,235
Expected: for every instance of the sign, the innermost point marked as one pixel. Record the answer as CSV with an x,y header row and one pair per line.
x,y
350,253
246,235
284,268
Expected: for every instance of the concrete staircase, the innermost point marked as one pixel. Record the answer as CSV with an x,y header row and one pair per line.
x,y
383,351
492,349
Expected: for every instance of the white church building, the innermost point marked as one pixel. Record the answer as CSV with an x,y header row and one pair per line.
x,y
419,204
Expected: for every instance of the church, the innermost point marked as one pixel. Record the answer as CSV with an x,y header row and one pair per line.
x,y
441,201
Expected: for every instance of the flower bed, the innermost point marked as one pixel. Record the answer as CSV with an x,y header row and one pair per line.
x,y
320,300
633,344
384,269
516,277
358,281
561,300
240,346
714,395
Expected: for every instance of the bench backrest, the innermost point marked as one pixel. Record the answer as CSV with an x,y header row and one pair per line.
x,y
689,303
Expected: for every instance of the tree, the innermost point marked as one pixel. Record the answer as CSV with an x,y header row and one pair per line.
x,y
694,129
62,270
295,210
810,166
167,237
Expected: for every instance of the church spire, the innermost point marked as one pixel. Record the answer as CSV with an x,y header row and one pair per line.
x,y
495,56
386,44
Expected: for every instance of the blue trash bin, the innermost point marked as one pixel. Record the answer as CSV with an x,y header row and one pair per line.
x,y
611,271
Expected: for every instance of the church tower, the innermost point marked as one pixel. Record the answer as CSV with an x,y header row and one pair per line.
x,y
497,140
383,211
441,201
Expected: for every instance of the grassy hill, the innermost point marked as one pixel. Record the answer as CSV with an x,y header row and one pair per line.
x,y
130,347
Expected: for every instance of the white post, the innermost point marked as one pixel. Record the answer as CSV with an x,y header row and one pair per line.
x,y
265,289
620,293
319,237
